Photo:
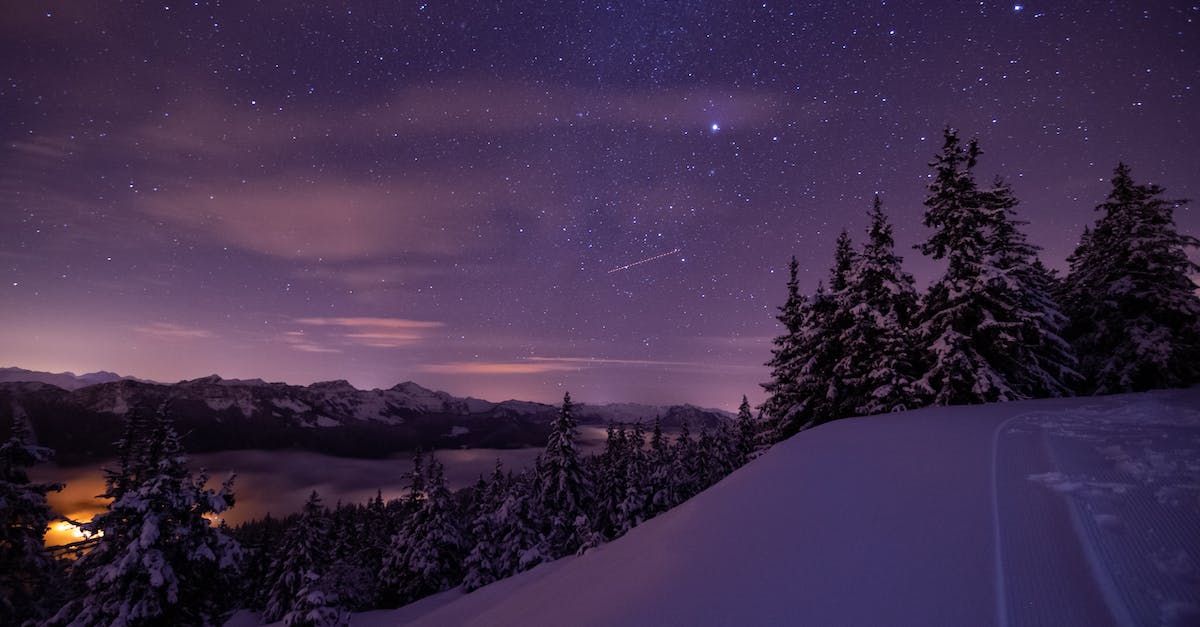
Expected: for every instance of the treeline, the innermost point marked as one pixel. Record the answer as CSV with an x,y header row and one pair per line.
x,y
156,558
998,325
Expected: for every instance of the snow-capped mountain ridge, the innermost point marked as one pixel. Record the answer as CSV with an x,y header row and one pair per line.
x,y
222,414
66,380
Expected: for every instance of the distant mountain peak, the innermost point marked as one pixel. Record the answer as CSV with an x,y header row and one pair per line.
x,y
410,387
339,385
66,380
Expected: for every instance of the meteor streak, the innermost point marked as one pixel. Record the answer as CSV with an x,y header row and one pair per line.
x,y
646,260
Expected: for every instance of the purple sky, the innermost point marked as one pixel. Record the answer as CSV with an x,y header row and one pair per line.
x,y
440,191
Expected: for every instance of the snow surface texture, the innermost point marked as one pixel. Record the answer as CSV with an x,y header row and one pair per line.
x,y
1054,512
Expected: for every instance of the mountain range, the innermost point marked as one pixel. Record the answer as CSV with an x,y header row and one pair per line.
x,y
80,416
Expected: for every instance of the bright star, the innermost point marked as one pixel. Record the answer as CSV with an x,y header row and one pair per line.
x,y
715,127
1018,7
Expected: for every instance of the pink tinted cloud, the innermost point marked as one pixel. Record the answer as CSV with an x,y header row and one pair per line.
x,y
172,331
297,340
374,332
495,367
326,220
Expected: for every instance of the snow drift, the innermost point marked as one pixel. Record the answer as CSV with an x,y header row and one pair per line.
x,y
1066,512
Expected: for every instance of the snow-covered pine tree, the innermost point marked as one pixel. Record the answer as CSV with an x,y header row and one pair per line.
x,y
660,460
520,542
634,508
426,557
682,474
159,561
373,536
828,349
786,356
482,564
565,486
1134,313
879,358
26,573
1037,362
708,466
611,482
350,577
259,540
964,331
746,432
300,588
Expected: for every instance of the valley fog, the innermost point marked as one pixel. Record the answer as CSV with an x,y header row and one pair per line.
x,y
278,482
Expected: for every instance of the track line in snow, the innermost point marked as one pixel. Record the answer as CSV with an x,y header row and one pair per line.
x,y
998,573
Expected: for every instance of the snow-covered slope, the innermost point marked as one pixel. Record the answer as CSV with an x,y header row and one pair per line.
x,y
1055,512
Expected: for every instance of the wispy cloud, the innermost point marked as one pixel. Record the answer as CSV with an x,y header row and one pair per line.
x,y
374,332
297,340
599,362
387,323
538,365
172,331
497,367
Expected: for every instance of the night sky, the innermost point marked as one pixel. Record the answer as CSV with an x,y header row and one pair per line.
x,y
441,192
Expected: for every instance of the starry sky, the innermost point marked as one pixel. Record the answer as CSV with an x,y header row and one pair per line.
x,y
512,199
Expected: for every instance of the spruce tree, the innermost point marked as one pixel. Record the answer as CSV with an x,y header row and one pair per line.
x,y
879,361
1134,314
427,555
634,507
661,464
564,486
158,560
26,573
684,467
747,433
786,357
301,591
969,330
482,564
1038,363
520,543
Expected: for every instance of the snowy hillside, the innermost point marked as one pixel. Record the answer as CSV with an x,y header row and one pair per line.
x,y
1057,512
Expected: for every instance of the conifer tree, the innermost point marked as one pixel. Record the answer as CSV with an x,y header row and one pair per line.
x,y
827,346
746,432
1134,313
520,542
158,560
683,467
1038,363
786,357
879,359
427,555
609,472
634,508
26,573
660,478
482,564
564,486
259,541
979,314
301,591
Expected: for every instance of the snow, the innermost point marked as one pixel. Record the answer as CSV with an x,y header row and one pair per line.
x,y
291,404
1049,512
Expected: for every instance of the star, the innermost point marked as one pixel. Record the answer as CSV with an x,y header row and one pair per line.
x,y
715,127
